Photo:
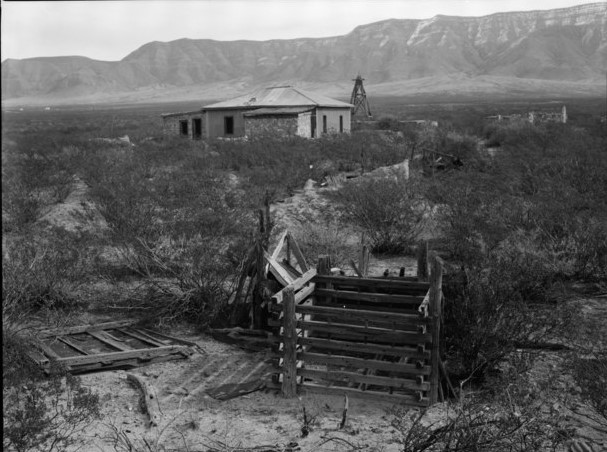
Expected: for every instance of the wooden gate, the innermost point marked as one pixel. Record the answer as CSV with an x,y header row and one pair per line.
x,y
367,337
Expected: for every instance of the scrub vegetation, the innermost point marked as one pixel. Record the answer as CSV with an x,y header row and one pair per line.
x,y
165,226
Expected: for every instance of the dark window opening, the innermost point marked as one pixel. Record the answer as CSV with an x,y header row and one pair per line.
x,y
183,127
228,125
197,128
313,126
341,124
324,123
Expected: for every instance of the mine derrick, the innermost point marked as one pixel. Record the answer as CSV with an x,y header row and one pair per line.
x,y
359,99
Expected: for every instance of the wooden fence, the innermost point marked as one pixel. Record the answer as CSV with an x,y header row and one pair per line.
x,y
367,337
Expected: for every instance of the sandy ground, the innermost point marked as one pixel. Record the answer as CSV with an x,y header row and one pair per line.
x,y
264,417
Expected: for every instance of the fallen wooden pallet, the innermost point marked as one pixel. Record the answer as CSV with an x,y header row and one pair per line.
x,y
105,346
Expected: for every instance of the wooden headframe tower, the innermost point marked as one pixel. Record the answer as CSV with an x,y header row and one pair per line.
x,y
359,98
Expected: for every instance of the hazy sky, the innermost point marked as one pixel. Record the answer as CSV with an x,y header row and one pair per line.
x,y
109,30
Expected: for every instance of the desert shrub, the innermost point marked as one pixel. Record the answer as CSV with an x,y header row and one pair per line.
x,y
490,312
505,420
590,373
389,210
316,239
47,415
40,413
42,274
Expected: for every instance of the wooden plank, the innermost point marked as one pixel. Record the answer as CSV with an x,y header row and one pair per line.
x,y
354,347
280,244
370,297
384,283
142,354
299,257
276,269
112,343
48,351
363,314
353,377
123,364
290,269
70,344
83,328
404,399
140,337
369,334
289,382
355,268
295,285
167,337
362,363
358,306
306,292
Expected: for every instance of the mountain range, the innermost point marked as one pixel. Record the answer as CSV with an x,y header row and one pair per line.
x,y
559,52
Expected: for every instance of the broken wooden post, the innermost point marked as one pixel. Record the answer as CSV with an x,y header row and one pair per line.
x,y
324,265
436,283
363,260
149,398
289,363
422,261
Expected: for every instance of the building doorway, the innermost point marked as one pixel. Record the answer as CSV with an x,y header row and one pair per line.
x,y
197,128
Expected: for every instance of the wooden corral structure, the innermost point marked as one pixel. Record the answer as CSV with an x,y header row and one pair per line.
x,y
365,337
277,111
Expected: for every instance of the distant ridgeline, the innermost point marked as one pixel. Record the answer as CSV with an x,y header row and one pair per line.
x,y
534,117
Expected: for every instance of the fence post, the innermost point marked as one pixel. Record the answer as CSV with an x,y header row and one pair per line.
x,y
324,265
422,261
289,364
436,283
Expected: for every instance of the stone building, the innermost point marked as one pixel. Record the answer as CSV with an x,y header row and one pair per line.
x,y
278,111
188,124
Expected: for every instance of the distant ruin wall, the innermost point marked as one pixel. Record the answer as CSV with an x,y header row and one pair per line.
x,y
172,124
256,126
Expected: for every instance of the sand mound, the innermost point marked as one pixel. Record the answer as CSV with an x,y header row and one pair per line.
x,y
77,213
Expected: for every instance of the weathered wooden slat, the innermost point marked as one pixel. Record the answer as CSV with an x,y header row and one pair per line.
x,y
356,305
83,328
397,284
352,377
404,399
278,271
167,337
355,347
362,314
361,363
371,334
296,285
366,297
142,354
70,344
106,340
140,337
299,257
304,293
290,269
48,351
